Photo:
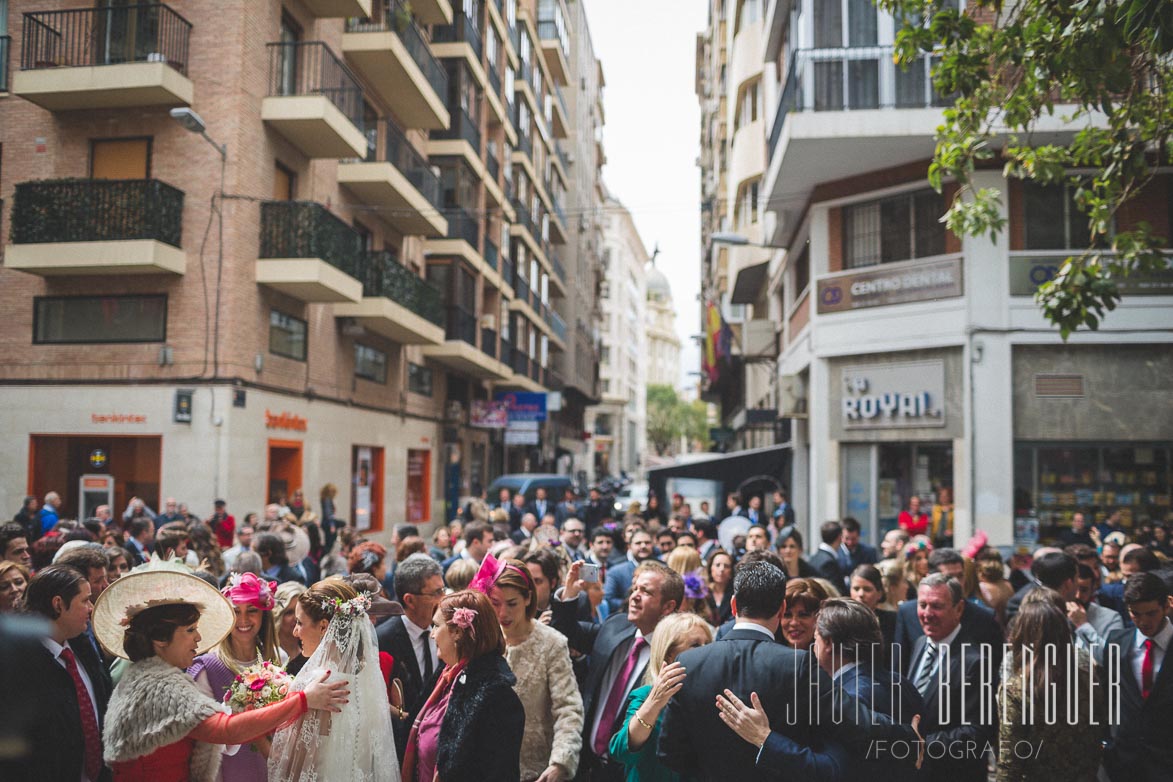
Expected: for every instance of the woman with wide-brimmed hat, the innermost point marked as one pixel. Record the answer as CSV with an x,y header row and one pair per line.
x,y
158,724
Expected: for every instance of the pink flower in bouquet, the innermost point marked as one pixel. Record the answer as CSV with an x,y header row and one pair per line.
x,y
256,685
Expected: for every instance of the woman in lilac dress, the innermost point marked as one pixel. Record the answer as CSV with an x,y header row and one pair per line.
x,y
253,639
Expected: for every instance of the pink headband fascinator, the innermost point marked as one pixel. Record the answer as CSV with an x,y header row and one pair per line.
x,y
491,570
247,589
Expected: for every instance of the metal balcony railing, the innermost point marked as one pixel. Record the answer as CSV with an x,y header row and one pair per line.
x,y
852,79
520,362
506,357
552,25
548,31
562,158
5,47
462,225
507,271
393,15
401,154
524,145
463,29
523,215
462,325
306,229
493,165
489,342
557,324
462,127
311,68
559,269
494,78
149,32
383,276
97,210
491,254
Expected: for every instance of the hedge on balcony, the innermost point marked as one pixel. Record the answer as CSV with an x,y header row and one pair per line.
x,y
97,210
305,229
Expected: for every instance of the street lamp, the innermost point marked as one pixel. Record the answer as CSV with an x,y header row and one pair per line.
x,y
194,123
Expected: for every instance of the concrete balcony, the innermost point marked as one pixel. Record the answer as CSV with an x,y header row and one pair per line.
x,y
98,58
460,352
432,11
397,62
555,45
97,227
396,303
400,183
333,9
314,101
308,253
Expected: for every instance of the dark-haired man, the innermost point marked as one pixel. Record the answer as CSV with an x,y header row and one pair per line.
x,y
830,560
68,677
14,546
478,539
1141,749
858,552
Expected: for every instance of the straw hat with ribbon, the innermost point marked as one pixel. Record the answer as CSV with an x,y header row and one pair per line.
x,y
156,584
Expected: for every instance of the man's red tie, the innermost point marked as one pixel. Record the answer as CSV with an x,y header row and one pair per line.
x,y
1146,669
615,698
89,718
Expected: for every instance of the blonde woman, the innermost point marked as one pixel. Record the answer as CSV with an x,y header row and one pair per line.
x,y
635,744
697,599
285,618
916,559
895,585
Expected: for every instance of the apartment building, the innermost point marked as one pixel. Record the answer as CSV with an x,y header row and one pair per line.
x,y
325,287
619,421
913,362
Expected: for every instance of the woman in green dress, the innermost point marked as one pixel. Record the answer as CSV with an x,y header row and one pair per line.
x,y
634,745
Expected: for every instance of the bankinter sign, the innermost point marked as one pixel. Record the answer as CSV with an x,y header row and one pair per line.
x,y
899,285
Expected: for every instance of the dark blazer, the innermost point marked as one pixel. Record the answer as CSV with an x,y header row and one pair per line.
x,y
863,555
886,693
57,753
480,735
395,641
618,584
1141,749
546,507
796,695
977,619
603,642
133,556
961,718
828,567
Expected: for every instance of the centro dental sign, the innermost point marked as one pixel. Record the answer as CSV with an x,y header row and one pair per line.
x,y
894,396
900,284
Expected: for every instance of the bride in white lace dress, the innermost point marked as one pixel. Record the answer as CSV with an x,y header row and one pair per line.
x,y
356,743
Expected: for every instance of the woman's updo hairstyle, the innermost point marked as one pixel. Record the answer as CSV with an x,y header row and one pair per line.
x,y
156,624
483,632
321,600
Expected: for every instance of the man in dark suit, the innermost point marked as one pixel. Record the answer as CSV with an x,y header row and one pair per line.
x,y
420,586
947,669
619,576
139,535
787,685
858,552
1051,568
619,650
540,506
783,510
831,560
566,509
71,685
1141,749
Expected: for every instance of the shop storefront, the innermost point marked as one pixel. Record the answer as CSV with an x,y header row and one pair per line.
x,y
895,421
1093,434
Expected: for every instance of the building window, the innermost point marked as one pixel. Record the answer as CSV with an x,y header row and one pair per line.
x,y
802,271
419,379
1053,220
894,229
370,364
287,335
97,319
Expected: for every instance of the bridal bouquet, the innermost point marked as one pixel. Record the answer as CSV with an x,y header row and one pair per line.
x,y
256,686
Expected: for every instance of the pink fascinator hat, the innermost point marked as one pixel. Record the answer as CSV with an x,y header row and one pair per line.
x,y
486,577
247,589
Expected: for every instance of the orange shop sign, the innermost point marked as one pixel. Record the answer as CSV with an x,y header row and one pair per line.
x,y
285,421
117,418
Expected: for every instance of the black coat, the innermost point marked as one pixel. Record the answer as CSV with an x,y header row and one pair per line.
x,y
1141,749
828,567
480,735
395,641
956,726
978,620
57,753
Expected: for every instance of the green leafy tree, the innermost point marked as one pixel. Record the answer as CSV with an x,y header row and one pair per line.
x,y
1012,63
670,418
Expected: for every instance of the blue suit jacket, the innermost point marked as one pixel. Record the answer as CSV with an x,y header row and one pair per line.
x,y
618,584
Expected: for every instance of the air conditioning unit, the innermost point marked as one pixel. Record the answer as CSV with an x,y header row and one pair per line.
x,y
791,397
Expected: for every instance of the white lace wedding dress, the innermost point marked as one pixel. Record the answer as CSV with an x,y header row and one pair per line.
x,y
355,744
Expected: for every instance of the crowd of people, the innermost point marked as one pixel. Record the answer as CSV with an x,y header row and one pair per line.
x,y
538,640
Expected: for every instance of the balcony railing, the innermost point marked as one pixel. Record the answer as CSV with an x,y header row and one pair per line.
x,y
494,78
506,357
400,153
562,158
463,29
524,71
306,229
557,324
462,225
105,36
523,215
520,362
524,145
396,17
311,68
97,210
383,276
558,210
559,269
493,165
491,254
548,31
5,46
852,79
507,270
462,325
462,127
489,342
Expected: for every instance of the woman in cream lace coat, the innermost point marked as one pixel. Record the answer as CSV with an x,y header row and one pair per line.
x,y
540,660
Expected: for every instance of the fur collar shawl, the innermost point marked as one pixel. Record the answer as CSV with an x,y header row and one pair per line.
x,y
154,705
480,735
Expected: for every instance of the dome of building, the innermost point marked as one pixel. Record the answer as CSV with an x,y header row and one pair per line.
x,y
658,286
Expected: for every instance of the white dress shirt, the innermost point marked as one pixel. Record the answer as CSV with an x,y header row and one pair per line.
x,y
1160,647
612,673
752,626
56,649
418,639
